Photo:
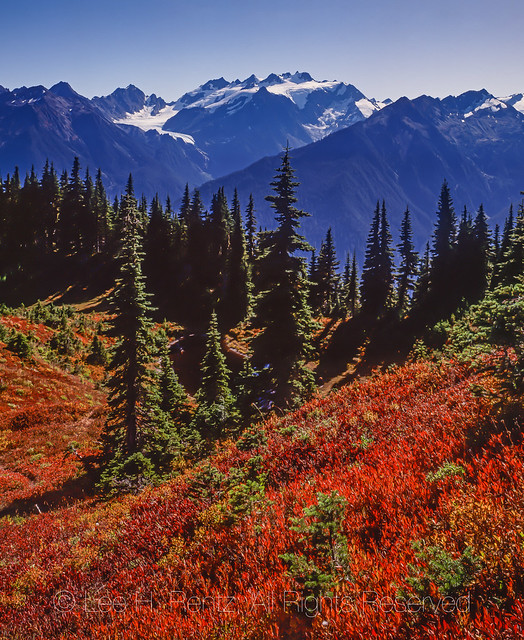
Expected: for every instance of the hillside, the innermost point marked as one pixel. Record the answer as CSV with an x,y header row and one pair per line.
x,y
396,491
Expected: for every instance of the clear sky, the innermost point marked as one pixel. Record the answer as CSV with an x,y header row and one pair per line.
x,y
387,48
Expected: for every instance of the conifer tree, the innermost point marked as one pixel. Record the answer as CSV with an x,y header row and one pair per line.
x,y
370,284
496,276
251,225
327,276
386,260
185,205
352,288
72,211
422,286
496,244
512,263
443,261
218,236
481,255
131,435
313,297
50,202
173,399
280,349
158,245
102,214
376,289
408,263
460,288
216,413
237,285
88,221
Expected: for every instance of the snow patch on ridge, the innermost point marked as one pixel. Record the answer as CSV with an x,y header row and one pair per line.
x,y
145,120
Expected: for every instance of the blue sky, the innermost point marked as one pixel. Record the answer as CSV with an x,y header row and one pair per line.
x,y
387,48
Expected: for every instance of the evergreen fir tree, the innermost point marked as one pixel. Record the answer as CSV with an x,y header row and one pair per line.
x,y
496,244
352,288
376,289
443,262
216,414
281,348
132,431
327,276
218,236
496,276
246,396
71,221
237,285
158,246
422,286
102,214
88,219
173,399
50,202
512,262
251,225
407,270
185,205
313,295
481,255
386,260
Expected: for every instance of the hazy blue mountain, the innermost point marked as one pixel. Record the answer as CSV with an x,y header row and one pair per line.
x,y
58,124
236,123
401,153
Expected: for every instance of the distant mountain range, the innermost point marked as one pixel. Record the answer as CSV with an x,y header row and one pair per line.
x,y
348,150
401,153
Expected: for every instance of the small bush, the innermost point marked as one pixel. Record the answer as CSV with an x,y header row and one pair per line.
x,y
18,343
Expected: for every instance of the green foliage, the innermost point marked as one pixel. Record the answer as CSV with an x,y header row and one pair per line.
x,y
139,439
408,263
376,288
324,554
447,470
217,413
495,322
97,352
280,349
252,438
450,575
19,343
64,342
245,492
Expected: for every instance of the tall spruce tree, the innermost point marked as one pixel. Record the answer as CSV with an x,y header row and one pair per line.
x,y
237,285
422,285
370,284
72,211
386,260
352,288
327,275
443,260
376,288
251,228
130,437
281,348
496,276
216,414
512,262
481,255
407,270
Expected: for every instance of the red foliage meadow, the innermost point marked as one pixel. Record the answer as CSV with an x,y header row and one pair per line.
x,y
201,556
44,412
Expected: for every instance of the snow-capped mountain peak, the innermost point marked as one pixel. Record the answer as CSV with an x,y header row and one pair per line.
x,y
257,113
515,100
